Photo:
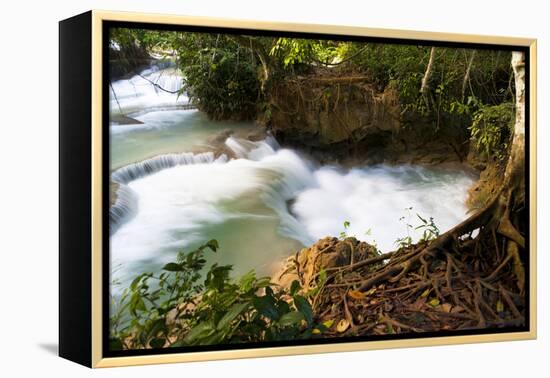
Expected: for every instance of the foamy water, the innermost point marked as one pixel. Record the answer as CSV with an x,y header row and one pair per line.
x,y
261,206
270,202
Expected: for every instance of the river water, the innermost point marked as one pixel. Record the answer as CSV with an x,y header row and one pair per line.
x,y
261,206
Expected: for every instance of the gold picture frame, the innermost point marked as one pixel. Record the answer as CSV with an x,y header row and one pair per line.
x,y
94,24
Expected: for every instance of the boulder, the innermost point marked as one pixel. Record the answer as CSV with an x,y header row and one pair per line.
x,y
327,253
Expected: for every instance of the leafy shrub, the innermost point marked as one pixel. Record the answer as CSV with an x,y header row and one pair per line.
x,y
491,129
429,229
178,308
220,76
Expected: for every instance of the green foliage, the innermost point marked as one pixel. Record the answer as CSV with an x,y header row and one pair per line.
x,y
320,281
151,40
344,234
221,76
405,241
174,308
428,227
491,129
230,76
402,67
294,52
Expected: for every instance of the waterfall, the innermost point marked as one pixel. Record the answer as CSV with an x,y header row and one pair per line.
x,y
126,204
153,89
268,202
149,166
292,175
247,149
379,201
123,209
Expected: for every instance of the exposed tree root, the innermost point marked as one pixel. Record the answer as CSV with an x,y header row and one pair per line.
x,y
457,281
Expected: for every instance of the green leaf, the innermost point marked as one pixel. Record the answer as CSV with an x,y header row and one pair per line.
x,y
215,338
156,327
263,282
434,302
290,319
217,276
422,219
140,304
135,282
200,331
295,287
266,306
304,307
282,307
157,343
328,323
322,277
346,224
246,282
177,344
172,267
231,314
213,245
136,303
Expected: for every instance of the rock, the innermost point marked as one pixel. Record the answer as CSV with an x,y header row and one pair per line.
x,y
113,189
220,137
327,253
343,111
121,119
342,117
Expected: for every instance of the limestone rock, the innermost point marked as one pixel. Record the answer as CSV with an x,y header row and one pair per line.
x,y
329,252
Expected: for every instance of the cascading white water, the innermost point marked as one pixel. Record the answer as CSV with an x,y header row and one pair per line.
x,y
123,209
262,206
152,89
268,203
379,201
126,202
146,167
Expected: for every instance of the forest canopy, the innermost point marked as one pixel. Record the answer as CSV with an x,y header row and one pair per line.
x,y
233,76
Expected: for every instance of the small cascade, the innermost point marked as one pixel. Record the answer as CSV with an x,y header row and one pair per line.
x,y
144,168
126,204
291,174
153,89
247,149
124,208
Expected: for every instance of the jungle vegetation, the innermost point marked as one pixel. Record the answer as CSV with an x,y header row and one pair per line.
x,y
231,76
472,276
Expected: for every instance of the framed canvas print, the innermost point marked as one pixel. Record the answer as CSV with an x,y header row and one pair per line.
x,y
235,189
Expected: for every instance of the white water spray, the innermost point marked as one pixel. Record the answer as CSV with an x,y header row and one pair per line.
x,y
268,202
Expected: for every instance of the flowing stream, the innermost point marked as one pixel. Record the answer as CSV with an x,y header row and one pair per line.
x,y
261,206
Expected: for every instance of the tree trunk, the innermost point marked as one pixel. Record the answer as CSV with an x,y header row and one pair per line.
x,y
467,74
263,56
515,170
427,75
